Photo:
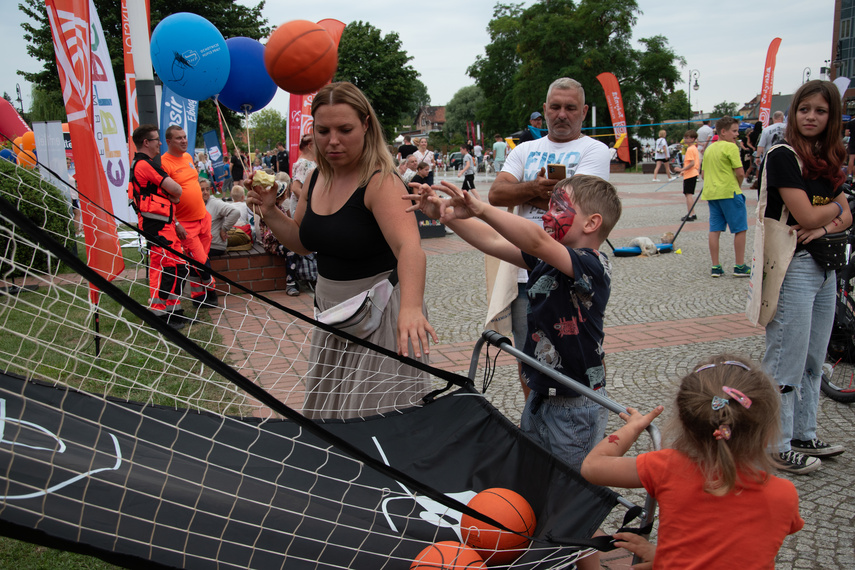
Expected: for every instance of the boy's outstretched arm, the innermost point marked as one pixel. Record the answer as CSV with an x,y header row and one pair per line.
x,y
457,215
522,233
605,465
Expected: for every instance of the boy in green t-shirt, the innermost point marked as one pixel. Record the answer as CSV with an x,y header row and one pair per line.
x,y
723,175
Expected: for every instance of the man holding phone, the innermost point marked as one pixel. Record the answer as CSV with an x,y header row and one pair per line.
x,y
525,184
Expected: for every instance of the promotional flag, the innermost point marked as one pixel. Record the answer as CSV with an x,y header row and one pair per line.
x,y
300,106
130,77
70,28
50,147
179,111
212,149
768,80
109,128
613,98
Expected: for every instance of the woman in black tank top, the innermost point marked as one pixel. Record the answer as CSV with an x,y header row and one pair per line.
x,y
352,215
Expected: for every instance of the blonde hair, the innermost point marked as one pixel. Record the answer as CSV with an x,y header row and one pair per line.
x,y
593,195
724,460
238,193
375,156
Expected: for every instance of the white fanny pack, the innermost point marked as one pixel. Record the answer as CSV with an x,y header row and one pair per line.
x,y
361,314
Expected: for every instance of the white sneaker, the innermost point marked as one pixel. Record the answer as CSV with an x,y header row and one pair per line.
x,y
655,180
670,178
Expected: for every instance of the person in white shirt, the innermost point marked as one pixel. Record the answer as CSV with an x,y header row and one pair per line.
x,y
523,182
223,217
662,157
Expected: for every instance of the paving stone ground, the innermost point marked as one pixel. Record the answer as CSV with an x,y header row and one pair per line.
x,y
665,314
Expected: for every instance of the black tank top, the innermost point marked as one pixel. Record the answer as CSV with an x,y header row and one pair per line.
x,y
349,243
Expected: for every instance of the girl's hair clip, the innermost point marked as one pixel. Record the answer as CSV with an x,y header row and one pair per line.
x,y
723,432
730,362
718,402
738,396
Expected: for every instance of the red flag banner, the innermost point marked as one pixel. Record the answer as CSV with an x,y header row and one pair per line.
x,y
300,106
69,23
613,98
768,80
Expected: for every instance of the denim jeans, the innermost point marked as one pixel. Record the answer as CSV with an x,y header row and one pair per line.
x,y
796,341
569,427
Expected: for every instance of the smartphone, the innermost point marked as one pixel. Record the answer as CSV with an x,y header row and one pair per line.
x,y
556,171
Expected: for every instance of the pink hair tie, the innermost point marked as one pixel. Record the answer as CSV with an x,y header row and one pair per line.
x,y
723,432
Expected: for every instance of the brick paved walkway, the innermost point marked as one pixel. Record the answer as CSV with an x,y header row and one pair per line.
x,y
664,314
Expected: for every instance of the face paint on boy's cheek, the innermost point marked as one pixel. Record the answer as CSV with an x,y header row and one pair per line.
x,y
557,223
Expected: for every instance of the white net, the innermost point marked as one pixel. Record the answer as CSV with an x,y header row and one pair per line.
x,y
150,449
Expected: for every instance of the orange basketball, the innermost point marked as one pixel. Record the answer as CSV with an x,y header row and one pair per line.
x,y
447,555
301,57
507,507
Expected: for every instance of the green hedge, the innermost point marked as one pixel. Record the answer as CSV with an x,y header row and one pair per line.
x,y
43,203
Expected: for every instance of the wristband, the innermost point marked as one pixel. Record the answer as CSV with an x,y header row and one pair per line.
x,y
826,230
839,206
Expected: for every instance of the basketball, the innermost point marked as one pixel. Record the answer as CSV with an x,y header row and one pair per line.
x,y
447,555
507,507
301,57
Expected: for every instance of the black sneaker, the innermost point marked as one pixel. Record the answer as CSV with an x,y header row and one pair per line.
x,y
207,301
687,218
816,448
176,319
797,463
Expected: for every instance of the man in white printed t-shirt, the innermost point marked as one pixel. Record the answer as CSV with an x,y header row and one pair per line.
x,y
523,182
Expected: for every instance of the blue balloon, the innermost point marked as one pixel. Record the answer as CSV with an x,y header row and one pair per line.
x,y
190,56
7,154
249,86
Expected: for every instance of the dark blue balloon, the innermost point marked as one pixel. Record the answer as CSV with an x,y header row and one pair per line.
x,y
190,55
7,154
249,85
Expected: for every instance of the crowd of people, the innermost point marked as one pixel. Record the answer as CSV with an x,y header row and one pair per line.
x,y
350,208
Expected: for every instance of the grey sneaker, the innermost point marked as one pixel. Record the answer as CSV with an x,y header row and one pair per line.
x,y
716,271
816,448
797,463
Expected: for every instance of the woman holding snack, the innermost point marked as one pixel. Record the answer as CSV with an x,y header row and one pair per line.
x,y
351,214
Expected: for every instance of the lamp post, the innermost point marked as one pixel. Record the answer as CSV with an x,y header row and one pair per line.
x,y
693,74
805,75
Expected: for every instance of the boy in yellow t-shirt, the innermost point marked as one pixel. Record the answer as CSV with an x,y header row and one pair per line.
x,y
690,169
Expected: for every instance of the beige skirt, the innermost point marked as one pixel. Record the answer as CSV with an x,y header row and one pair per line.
x,y
347,380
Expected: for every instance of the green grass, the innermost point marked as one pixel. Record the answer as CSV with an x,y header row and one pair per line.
x,y
121,371
26,556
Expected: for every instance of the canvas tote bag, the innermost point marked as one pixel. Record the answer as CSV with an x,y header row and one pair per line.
x,y
774,245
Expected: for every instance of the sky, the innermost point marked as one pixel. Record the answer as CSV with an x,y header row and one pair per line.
x,y
725,41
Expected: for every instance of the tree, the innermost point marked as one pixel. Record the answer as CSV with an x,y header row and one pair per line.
x,y
47,106
464,106
725,108
379,67
268,127
231,18
531,47
421,98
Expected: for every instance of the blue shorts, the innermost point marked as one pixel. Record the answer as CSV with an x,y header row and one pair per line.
x,y
729,213
569,427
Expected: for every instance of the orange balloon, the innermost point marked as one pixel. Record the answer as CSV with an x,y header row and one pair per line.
x,y
29,140
19,144
300,57
27,159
